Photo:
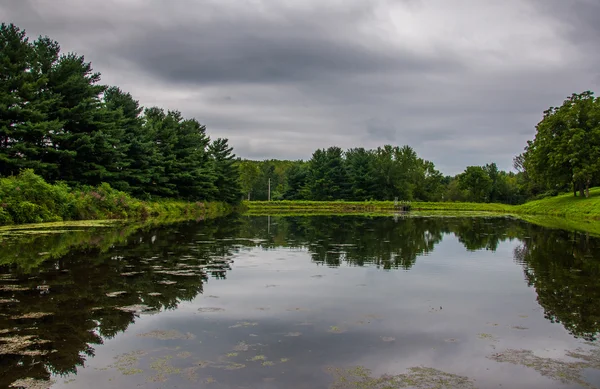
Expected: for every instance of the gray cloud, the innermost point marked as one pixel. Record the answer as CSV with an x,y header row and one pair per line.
x,y
282,78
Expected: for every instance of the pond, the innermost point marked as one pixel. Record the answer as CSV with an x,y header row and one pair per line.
x,y
301,302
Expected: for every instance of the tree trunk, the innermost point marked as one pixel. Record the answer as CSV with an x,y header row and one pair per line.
x,y
574,189
587,188
581,191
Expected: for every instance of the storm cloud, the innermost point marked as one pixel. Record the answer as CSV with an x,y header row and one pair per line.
x,y
463,82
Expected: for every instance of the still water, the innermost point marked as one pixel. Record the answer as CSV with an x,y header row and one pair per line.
x,y
301,302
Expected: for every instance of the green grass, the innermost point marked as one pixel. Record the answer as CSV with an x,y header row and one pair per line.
x,y
366,207
565,205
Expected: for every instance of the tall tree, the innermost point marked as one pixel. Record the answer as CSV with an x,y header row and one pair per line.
x,y
566,148
227,175
361,173
477,182
327,177
25,101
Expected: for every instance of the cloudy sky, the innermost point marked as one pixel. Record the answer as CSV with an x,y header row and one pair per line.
x,y
461,81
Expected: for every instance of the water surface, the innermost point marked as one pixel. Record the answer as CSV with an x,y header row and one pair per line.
x,y
302,302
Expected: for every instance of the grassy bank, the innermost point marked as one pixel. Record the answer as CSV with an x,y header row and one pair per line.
x,y
565,205
371,207
27,198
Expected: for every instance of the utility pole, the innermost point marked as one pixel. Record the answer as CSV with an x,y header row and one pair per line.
x,y
269,189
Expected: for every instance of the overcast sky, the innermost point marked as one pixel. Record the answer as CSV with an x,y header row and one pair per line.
x,y
461,81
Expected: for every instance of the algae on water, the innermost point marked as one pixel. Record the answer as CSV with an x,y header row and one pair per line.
x,y
417,377
556,369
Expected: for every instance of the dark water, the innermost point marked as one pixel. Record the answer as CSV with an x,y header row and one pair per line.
x,y
302,302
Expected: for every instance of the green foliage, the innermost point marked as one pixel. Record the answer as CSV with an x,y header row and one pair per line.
x,y
574,208
59,120
566,148
27,198
227,183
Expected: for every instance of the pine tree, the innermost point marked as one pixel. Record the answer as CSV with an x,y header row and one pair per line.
x,y
192,172
25,101
227,176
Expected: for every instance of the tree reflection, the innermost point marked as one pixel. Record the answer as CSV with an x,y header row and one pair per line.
x,y
53,314
564,269
62,294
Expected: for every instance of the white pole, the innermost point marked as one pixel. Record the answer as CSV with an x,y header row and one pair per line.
x,y
269,189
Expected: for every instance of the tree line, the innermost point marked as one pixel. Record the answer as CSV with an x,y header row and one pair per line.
x,y
564,155
385,173
59,120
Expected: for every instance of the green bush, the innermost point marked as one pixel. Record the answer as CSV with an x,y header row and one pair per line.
x,y
27,198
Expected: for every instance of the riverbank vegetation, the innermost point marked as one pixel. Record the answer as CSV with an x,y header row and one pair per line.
x,y
27,198
565,205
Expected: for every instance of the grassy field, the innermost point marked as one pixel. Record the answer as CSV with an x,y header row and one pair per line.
x,y
566,206
370,207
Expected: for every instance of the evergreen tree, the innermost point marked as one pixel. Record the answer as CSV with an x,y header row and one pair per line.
x,y
25,101
296,182
191,172
227,176
88,146
361,173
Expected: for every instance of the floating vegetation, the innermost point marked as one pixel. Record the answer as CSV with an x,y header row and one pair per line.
x,y
137,308
32,315
284,360
336,330
417,377
167,335
519,328
487,337
556,369
268,363
244,324
19,345
210,309
293,334
184,354
234,366
258,358
12,288
125,363
231,355
30,383
241,346
166,282
131,273
116,294
388,338
163,368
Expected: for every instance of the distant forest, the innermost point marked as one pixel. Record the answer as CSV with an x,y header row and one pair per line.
x,y
563,156
59,120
